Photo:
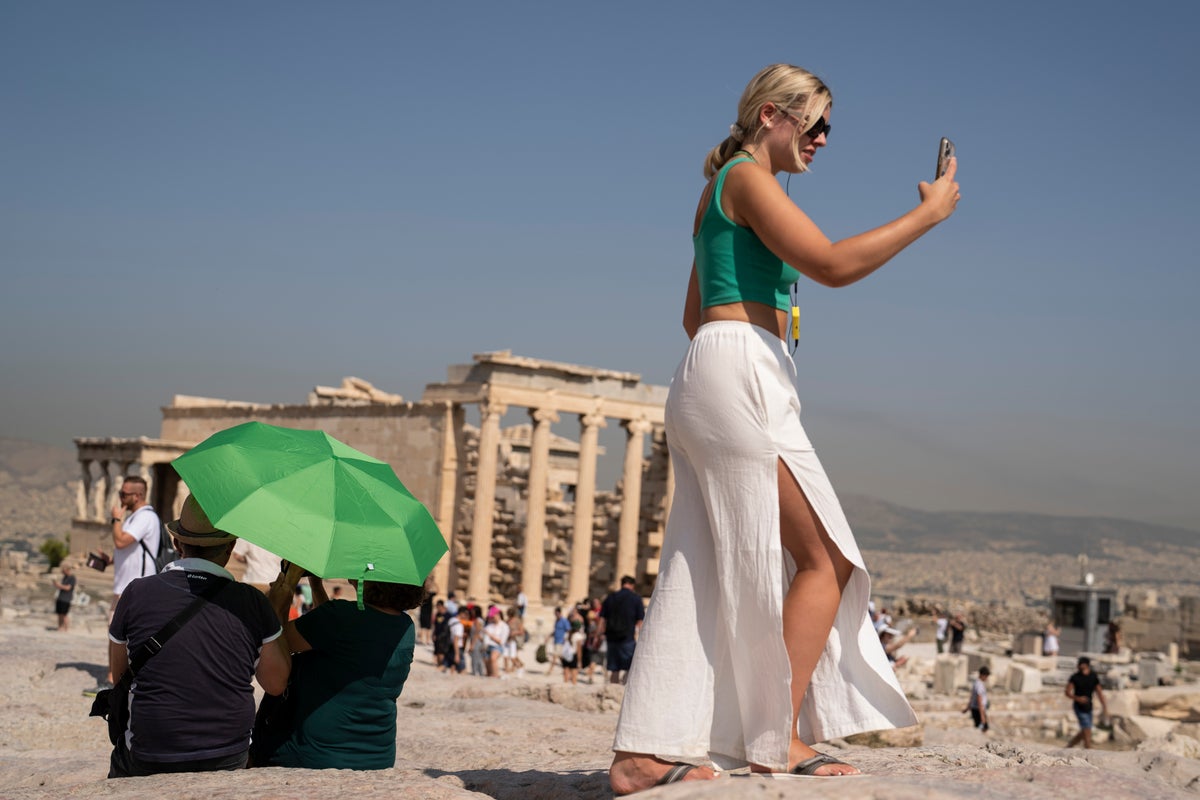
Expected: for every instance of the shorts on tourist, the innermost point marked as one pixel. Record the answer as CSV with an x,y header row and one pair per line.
x,y
1085,719
62,606
620,654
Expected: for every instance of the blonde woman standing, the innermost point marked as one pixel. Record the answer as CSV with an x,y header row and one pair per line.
x,y
757,641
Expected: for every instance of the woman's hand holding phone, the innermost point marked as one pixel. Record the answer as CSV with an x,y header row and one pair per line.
x,y
941,197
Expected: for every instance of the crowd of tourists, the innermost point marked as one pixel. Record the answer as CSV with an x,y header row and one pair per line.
x,y
494,642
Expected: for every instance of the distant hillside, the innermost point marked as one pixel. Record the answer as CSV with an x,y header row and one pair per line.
x,y
37,499
37,491
884,526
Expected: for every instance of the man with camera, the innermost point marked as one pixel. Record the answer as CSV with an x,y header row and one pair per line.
x,y
133,523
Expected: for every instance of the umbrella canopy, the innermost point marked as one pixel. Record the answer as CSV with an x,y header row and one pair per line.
x,y
314,501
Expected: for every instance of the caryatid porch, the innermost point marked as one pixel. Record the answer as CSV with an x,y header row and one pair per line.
x,y
549,391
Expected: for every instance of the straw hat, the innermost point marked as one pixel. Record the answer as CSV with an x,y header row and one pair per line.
x,y
193,527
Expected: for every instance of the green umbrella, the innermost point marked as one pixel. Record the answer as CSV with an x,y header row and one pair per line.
x,y
314,501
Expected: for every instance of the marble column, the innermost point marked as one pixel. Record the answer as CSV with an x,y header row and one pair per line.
x,y
533,555
479,574
631,499
585,507
447,492
102,504
84,492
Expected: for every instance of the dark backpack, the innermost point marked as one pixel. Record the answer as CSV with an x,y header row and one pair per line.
x,y
165,555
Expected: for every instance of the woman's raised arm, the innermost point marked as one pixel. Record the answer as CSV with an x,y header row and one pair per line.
x,y
755,199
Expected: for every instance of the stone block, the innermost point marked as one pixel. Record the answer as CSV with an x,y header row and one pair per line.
x,y
1174,743
1150,670
1123,704
1172,650
977,660
949,673
1027,644
1040,663
1023,679
1181,707
1139,729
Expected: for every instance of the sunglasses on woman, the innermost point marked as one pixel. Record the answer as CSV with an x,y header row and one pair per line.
x,y
819,127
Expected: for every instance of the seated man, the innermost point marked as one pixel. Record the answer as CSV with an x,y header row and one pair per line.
x,y
192,704
892,640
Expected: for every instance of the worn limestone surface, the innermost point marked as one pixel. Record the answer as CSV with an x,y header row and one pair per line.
x,y
528,738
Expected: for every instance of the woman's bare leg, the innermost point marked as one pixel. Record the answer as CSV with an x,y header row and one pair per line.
x,y
811,602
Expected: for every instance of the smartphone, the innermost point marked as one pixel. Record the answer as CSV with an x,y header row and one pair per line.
x,y
945,153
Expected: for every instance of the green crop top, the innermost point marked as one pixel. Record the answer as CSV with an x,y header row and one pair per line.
x,y
732,263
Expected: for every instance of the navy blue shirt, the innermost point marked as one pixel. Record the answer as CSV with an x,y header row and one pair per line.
x,y
193,700
621,611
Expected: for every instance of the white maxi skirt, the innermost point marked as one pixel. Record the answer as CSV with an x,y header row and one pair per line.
x,y
711,678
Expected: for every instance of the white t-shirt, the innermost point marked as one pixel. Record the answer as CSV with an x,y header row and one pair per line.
x,y
262,566
979,698
130,563
456,630
494,634
943,623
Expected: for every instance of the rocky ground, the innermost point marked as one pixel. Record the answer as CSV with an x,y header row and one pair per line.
x,y
531,738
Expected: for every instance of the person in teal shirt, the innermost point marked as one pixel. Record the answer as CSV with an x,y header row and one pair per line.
x,y
350,665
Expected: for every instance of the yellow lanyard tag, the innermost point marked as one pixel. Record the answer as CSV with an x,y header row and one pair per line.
x,y
795,323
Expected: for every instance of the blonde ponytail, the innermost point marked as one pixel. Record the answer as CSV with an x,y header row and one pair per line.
x,y
786,86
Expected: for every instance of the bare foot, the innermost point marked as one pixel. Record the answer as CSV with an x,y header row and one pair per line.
x,y
635,772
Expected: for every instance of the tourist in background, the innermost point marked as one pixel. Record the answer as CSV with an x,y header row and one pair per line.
x,y
941,627
958,632
441,634
516,641
757,542
558,635
620,618
978,703
136,535
478,647
495,637
66,593
1112,638
892,640
1080,688
1050,640
134,524
425,617
572,650
456,656
593,643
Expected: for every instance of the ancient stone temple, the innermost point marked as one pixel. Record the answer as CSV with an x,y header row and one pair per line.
x,y
519,506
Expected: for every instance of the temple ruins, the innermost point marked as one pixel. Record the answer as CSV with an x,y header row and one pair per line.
x,y
519,506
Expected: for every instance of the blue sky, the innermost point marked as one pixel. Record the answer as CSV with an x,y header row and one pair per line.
x,y
244,200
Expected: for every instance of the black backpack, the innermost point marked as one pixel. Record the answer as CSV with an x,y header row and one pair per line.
x,y
165,555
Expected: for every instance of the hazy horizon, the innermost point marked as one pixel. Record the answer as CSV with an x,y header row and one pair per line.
x,y
244,201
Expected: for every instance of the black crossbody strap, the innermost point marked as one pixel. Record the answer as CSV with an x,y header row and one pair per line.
x,y
155,643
